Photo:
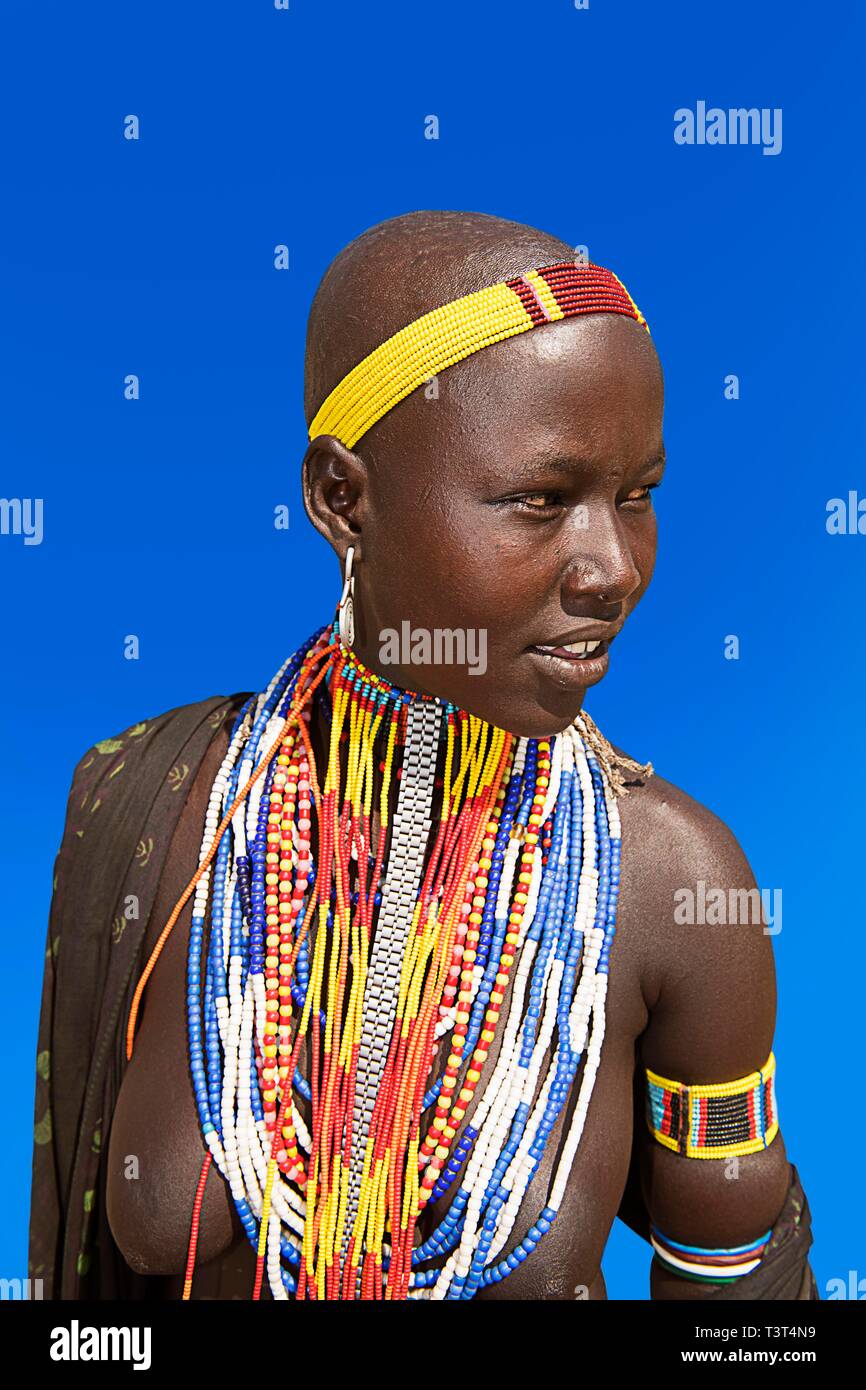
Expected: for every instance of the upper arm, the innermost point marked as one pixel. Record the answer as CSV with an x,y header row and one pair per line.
x,y
712,1020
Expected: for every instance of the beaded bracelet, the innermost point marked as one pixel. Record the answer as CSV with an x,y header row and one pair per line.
x,y
714,1121
719,1265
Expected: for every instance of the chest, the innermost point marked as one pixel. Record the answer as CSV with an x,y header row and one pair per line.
x,y
156,1120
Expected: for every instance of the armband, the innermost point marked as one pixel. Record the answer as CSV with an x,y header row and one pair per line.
x,y
716,1121
708,1266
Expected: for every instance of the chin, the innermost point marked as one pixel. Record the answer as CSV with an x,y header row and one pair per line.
x,y
528,719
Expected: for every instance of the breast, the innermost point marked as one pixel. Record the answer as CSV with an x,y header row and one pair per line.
x,y
155,1153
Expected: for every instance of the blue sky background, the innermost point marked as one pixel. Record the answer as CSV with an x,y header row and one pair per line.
x,y
305,127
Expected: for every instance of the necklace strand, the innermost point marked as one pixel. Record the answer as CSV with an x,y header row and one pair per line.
x,y
382,961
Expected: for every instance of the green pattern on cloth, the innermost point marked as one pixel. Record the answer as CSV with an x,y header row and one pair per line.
x,y
87,989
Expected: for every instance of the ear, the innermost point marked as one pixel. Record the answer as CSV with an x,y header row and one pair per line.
x,y
335,489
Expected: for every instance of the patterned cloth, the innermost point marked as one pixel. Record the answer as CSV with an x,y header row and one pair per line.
x,y
126,798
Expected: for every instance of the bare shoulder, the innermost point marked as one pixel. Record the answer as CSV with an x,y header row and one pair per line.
x,y
675,822
703,928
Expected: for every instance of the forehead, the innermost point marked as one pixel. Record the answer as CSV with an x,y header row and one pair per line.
x,y
591,387
596,377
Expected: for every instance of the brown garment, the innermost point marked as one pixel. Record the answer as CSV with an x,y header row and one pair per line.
x,y
124,805
126,797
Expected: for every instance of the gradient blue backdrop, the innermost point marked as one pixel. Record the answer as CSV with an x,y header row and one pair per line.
x,y
305,127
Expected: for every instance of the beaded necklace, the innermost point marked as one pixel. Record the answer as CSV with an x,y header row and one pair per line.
x,y
499,867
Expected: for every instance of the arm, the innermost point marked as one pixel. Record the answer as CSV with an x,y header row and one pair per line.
x,y
713,1020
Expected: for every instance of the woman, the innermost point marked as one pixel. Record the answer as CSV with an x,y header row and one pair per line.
x,y
483,1075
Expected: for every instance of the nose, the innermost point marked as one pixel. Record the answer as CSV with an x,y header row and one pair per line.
x,y
602,565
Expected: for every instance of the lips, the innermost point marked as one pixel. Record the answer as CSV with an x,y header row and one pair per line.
x,y
575,661
567,669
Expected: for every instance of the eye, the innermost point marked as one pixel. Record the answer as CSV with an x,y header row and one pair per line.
x,y
541,503
639,498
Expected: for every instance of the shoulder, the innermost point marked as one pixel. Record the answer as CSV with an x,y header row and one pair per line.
x,y
125,770
677,827
158,737
704,927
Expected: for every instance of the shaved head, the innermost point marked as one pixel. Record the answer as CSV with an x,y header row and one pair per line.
x,y
402,268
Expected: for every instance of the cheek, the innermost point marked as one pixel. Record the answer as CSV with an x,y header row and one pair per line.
x,y
430,563
505,566
440,538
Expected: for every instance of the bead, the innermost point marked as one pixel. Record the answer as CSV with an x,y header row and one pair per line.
x,y
453,331
510,938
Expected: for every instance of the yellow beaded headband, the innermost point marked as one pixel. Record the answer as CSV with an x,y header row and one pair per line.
x,y
446,335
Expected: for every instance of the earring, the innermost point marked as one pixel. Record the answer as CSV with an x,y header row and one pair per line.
x,y
347,606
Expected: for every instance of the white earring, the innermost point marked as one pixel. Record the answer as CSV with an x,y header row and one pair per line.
x,y
347,606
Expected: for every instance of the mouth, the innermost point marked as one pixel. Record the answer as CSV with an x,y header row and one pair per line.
x,y
573,664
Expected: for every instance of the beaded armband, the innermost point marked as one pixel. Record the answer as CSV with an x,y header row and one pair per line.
x,y
721,1265
716,1121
